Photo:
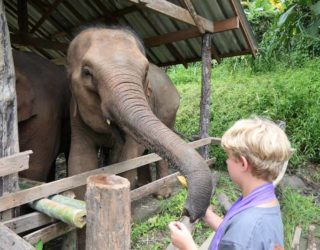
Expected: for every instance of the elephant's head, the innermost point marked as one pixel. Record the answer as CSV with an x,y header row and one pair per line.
x,y
108,70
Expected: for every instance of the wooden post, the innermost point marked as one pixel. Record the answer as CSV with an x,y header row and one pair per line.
x,y
108,212
8,111
11,241
205,92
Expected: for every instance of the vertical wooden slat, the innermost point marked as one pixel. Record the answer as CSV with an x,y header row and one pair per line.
x,y
205,92
108,212
8,110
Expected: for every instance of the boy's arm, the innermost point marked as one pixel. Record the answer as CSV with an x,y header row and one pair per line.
x,y
212,219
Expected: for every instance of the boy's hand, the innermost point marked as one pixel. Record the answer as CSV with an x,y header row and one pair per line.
x,y
181,237
211,218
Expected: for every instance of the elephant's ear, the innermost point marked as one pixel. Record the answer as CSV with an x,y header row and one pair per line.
x,y
25,97
74,106
148,89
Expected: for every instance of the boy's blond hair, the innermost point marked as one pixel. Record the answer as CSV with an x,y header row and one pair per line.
x,y
264,145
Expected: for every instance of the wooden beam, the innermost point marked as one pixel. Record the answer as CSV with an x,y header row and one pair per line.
x,y
14,163
193,32
243,28
27,40
38,192
23,16
9,240
194,16
48,233
174,11
28,222
45,16
117,13
175,52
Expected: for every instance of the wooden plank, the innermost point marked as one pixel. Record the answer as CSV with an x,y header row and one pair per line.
x,y
219,26
114,205
311,238
243,28
28,40
14,163
152,187
38,192
48,233
23,16
296,238
194,16
11,241
27,222
45,16
224,202
9,143
174,11
206,244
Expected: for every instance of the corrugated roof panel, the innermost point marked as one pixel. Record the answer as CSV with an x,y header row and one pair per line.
x,y
70,14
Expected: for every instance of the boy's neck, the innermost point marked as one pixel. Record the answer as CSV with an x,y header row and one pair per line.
x,y
249,185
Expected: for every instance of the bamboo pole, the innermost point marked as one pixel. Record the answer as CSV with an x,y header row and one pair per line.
x,y
108,212
70,215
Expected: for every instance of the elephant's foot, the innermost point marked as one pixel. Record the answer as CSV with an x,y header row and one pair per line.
x,y
163,193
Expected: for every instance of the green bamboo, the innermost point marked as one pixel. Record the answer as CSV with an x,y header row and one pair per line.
x,y
70,215
68,201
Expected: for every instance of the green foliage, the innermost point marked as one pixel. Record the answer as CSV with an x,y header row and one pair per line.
x,y
288,94
286,31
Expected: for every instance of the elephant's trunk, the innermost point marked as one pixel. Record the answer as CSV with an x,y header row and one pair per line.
x,y
137,119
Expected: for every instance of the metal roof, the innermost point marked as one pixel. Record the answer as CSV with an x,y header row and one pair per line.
x,y
171,29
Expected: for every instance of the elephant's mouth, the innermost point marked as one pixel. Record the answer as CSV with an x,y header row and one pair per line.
x,y
116,130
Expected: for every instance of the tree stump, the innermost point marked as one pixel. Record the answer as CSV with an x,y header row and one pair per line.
x,y
108,212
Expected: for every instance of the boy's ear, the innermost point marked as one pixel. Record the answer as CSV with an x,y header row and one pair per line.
x,y
244,163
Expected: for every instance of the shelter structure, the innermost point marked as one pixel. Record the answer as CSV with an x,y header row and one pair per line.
x,y
173,31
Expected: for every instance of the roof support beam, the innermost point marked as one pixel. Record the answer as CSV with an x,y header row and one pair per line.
x,y
194,16
23,16
243,28
220,26
45,16
28,40
174,11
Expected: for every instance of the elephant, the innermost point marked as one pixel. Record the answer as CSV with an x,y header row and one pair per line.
x,y
43,98
116,98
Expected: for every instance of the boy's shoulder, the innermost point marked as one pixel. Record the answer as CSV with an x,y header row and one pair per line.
x,y
255,225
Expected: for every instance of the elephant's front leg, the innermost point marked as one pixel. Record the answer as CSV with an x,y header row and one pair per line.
x,y
131,149
83,153
163,171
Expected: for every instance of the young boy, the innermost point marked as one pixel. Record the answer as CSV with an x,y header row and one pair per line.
x,y
256,149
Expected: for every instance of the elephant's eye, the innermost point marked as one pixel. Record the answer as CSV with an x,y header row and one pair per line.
x,y
86,72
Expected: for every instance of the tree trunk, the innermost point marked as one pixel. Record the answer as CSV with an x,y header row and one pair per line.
x,y
205,92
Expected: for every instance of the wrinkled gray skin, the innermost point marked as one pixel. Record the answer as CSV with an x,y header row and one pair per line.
x,y
43,98
109,76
